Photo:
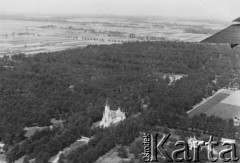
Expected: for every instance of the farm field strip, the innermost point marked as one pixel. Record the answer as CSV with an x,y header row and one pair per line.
x,y
209,103
233,99
224,104
225,111
16,35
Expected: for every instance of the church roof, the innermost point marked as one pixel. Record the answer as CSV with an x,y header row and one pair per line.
x,y
116,113
230,35
113,113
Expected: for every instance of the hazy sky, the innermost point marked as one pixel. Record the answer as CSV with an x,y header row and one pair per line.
x,y
210,9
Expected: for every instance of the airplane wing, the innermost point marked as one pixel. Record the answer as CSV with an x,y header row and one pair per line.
x,y
230,35
237,20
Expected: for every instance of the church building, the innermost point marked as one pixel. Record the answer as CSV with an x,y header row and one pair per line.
x,y
111,117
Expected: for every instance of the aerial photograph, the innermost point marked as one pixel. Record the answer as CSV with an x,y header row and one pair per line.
x,y
119,81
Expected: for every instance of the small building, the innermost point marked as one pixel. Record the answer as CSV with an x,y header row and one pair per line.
x,y
1,148
194,143
236,121
111,117
71,88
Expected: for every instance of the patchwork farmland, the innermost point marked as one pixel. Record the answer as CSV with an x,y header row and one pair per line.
x,y
224,104
36,36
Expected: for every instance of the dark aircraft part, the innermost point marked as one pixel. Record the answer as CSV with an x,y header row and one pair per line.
x,y
237,20
229,35
234,45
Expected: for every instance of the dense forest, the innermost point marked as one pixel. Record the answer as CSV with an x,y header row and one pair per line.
x,y
73,85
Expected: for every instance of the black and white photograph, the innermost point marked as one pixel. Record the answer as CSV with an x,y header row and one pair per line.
x,y
119,81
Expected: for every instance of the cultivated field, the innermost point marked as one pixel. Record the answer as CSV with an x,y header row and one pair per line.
x,y
225,111
208,104
224,104
31,37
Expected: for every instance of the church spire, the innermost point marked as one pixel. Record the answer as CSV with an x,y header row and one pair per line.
x,y
107,102
111,116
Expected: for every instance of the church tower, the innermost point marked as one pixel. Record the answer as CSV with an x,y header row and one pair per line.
x,y
111,116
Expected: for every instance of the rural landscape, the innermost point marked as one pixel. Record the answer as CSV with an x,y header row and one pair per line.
x,y
86,88
35,34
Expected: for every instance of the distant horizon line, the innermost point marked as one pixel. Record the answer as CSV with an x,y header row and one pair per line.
x,y
31,14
